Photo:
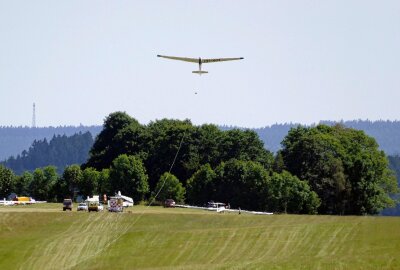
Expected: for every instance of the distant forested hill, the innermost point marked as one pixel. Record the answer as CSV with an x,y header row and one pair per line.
x,y
386,133
272,136
14,140
60,151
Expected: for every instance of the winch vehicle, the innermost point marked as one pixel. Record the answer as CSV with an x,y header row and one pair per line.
x,y
67,205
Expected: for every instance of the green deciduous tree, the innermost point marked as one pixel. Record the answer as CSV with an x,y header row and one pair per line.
x,y
288,194
72,177
89,185
42,185
169,187
343,166
162,141
22,184
110,143
104,182
279,164
6,181
242,184
244,145
201,186
128,175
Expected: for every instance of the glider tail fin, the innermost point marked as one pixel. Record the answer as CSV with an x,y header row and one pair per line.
x,y
199,72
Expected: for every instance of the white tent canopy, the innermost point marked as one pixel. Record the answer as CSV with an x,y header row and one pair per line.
x,y
95,198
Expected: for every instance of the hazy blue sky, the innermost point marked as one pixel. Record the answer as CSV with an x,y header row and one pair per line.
x,y
305,61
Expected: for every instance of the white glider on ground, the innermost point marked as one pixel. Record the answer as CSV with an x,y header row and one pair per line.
x,y
200,61
223,209
20,201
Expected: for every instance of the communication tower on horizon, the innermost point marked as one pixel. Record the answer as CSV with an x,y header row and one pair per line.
x,y
34,116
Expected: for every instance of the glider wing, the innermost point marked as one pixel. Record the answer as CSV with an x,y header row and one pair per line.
x,y
186,59
212,60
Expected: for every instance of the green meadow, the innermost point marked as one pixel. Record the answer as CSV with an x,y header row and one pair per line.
x,y
45,237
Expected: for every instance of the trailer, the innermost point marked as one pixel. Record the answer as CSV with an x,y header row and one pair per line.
x,y
115,204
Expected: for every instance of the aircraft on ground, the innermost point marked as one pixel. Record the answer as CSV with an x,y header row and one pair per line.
x,y
20,201
7,203
200,61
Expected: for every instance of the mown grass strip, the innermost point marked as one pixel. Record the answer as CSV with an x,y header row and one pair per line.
x,y
47,238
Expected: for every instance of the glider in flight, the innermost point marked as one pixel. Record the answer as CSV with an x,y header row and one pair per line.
x,y
199,61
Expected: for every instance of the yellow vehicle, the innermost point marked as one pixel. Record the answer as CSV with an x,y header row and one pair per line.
x,y
94,206
24,200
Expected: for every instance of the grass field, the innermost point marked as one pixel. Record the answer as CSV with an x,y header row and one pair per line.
x,y
45,237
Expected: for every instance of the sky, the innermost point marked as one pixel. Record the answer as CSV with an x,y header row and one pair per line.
x,y
304,61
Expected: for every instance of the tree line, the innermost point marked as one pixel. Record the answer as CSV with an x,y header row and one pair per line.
x,y
14,140
321,169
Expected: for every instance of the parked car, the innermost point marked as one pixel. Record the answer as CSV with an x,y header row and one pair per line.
x,y
169,203
82,207
67,204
